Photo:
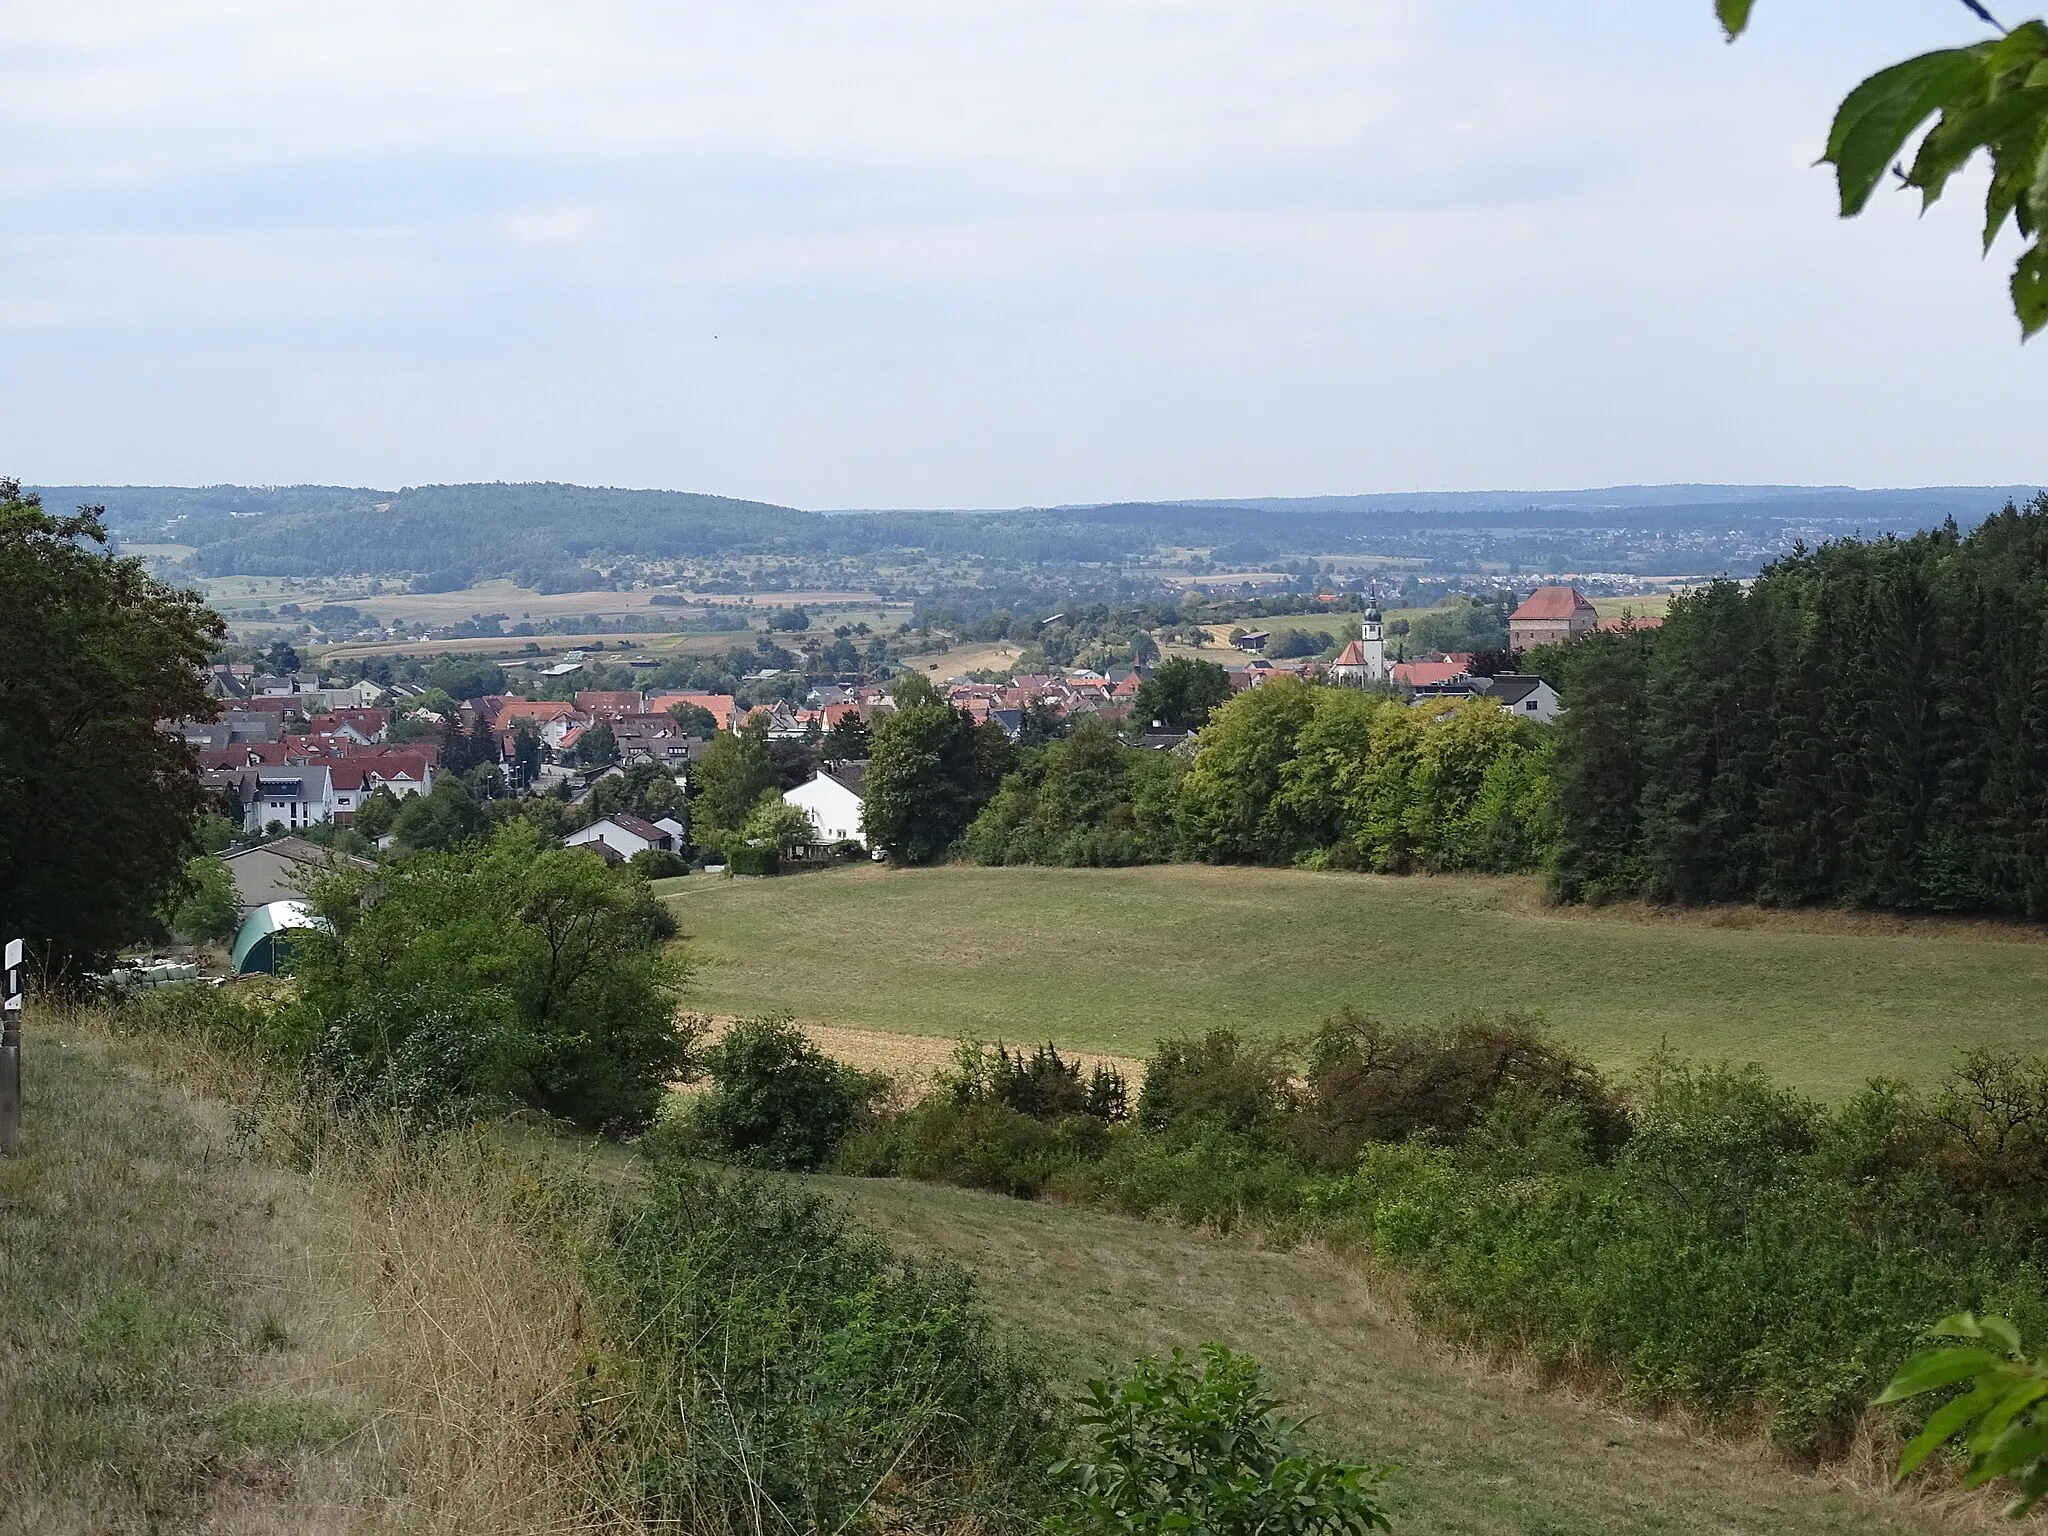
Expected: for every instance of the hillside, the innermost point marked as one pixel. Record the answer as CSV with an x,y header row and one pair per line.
x,y
1479,1452
565,537
1111,960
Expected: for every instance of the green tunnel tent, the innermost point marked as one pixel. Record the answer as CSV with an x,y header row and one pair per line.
x,y
263,943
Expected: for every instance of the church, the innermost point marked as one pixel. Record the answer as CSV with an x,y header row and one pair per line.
x,y
1363,662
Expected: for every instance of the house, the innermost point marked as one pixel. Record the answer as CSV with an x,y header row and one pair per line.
x,y
279,870
1531,698
720,706
832,799
554,719
1431,674
289,796
608,703
1550,616
623,835
1252,641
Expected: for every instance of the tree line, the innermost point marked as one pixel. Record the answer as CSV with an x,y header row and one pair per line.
x,y
1865,725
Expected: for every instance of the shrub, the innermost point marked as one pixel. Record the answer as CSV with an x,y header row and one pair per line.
x,y
752,859
784,1371
658,864
1367,1082
982,1145
776,1100
1040,1085
1179,1448
1217,1080
552,960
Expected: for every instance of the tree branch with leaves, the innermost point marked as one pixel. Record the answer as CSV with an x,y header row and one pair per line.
x,y
1991,95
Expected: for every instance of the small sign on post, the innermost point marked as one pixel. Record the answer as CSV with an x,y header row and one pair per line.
x,y
10,1050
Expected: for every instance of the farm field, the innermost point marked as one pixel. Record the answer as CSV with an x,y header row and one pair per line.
x,y
1112,960
1478,1451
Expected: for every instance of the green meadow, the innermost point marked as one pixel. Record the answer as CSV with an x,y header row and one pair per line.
x,y
1112,960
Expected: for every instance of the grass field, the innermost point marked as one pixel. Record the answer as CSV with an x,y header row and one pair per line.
x,y
1478,1451
1111,960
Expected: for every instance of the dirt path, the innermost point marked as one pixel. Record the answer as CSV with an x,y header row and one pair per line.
x,y
1478,1451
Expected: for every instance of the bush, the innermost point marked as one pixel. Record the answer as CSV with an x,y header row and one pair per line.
x,y
1215,1081
1180,1448
783,1370
776,1100
978,1146
1366,1082
753,859
658,864
1041,1085
551,961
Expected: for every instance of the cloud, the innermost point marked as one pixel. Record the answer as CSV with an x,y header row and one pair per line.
x,y
1009,251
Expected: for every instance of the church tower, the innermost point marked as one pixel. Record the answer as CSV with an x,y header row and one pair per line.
x,y
1374,646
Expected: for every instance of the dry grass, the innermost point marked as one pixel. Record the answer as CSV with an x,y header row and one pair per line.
x,y
195,1338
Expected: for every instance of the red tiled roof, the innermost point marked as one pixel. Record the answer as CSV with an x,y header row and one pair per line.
x,y
1553,603
532,709
1423,674
1353,655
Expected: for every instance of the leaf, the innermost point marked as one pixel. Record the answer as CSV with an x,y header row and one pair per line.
x,y
2014,1398
1951,144
2015,1448
1734,16
2000,1332
1947,1419
1875,119
1937,1368
2030,289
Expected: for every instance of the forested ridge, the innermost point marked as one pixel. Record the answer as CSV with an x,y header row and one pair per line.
x,y
559,537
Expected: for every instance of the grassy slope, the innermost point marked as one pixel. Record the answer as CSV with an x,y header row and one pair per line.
x,y
1478,1452
161,1320
1111,960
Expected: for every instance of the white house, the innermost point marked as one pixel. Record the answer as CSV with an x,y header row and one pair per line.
x,y
1531,698
832,799
291,796
624,835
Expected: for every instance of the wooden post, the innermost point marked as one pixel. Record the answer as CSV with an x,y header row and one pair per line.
x,y
10,1050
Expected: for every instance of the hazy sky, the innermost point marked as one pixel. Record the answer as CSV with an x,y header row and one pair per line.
x,y
988,252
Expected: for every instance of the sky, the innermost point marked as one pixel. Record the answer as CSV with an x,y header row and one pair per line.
x,y
1006,252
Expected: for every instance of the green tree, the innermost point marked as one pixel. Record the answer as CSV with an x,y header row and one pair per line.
x,y
379,809
1992,96
727,782
777,824
443,818
849,740
526,752
204,906
1231,810
1180,695
96,803
695,719
506,971
930,772
646,790
598,744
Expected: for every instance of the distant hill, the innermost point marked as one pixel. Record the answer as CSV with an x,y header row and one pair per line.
x,y
557,537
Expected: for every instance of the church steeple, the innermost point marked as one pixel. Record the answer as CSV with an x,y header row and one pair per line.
x,y
1373,643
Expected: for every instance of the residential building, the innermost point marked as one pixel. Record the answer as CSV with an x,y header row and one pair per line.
x,y
1550,616
832,799
279,870
1528,696
623,835
294,796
